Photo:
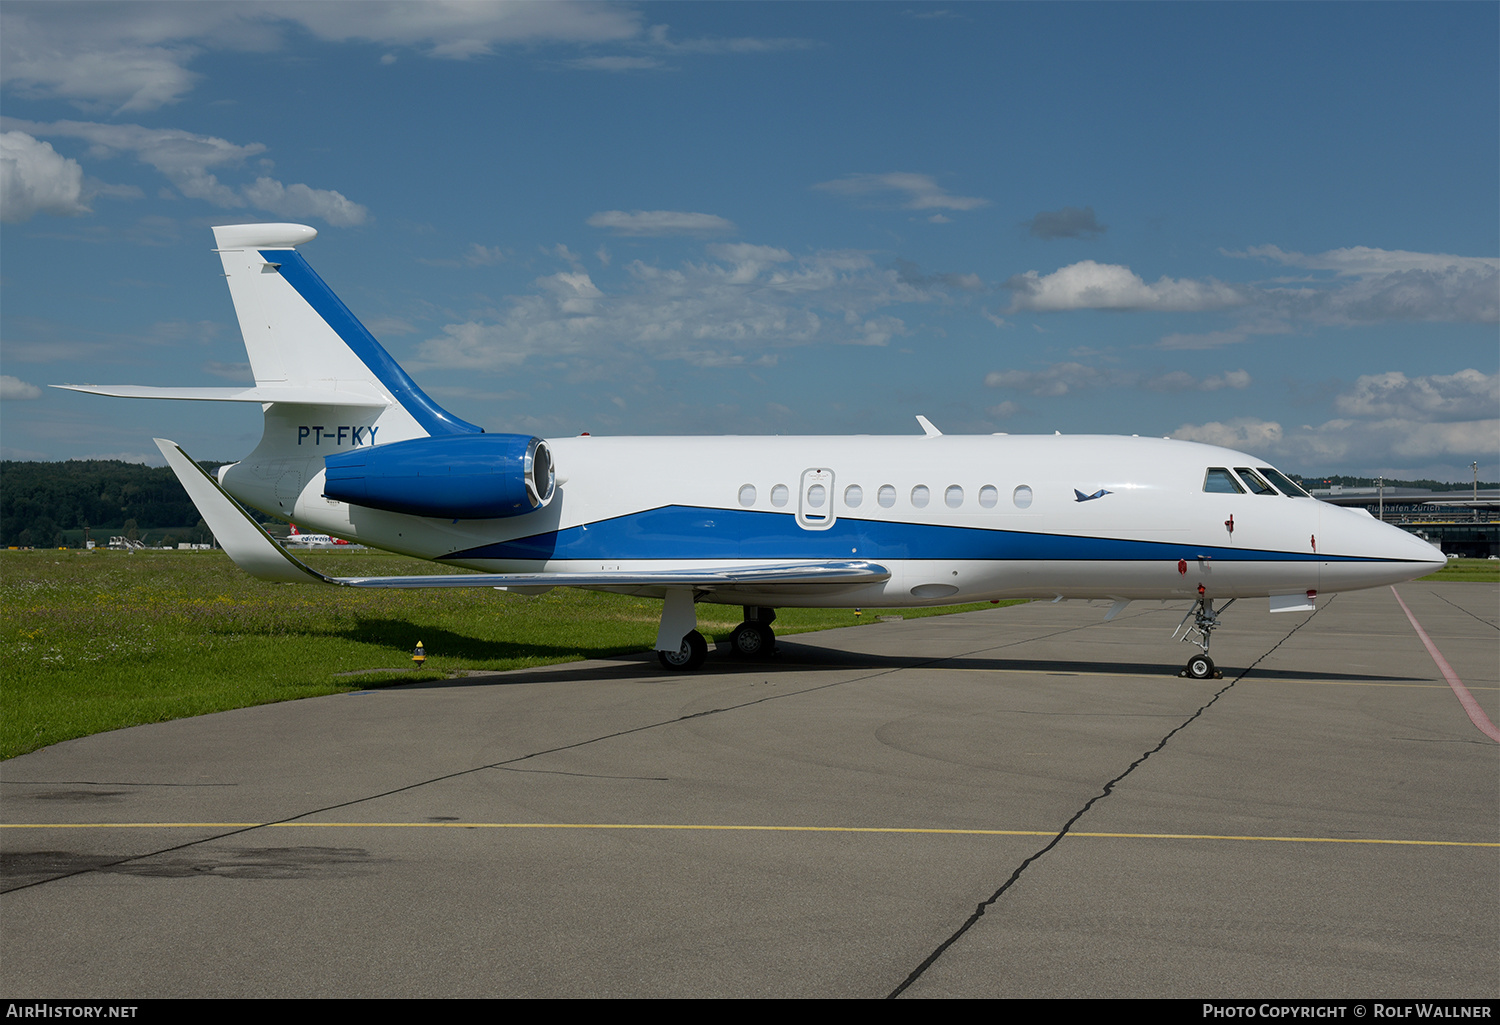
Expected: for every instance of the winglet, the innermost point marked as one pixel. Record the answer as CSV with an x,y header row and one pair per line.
x,y
246,541
928,429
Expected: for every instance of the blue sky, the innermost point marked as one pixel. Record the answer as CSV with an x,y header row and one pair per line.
x,y
1275,226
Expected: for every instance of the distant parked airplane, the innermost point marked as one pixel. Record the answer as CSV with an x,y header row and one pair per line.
x,y
354,447
296,537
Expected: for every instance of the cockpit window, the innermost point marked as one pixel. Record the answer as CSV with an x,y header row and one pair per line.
x,y
1219,481
1280,479
1253,481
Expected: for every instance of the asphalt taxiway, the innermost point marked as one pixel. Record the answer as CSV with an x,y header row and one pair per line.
x,y
1018,802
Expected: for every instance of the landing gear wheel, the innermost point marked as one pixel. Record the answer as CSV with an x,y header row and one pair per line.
x,y
690,656
752,640
1200,667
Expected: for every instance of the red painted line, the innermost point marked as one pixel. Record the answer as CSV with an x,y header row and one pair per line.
x,y
1476,714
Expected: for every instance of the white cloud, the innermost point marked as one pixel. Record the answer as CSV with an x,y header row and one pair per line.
x,y
35,178
1357,285
1062,378
465,30
749,261
483,256
1464,395
136,56
913,191
1390,421
745,252
1182,381
658,38
1345,444
660,222
1205,340
185,158
1375,285
13,388
302,201
1246,433
113,57
727,311
1363,261
230,371
615,63
1103,286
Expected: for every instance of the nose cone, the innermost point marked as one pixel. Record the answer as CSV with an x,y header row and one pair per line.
x,y
1363,552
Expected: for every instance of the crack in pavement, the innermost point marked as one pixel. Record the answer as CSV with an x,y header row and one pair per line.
x,y
1465,611
1107,789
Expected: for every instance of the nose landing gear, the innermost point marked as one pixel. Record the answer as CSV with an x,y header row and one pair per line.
x,y
1205,618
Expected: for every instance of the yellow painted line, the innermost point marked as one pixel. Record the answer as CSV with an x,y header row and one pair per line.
x,y
729,828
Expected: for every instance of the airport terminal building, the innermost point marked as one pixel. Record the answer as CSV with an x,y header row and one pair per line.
x,y
1463,523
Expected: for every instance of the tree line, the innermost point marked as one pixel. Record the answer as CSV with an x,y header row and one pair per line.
x,y
56,504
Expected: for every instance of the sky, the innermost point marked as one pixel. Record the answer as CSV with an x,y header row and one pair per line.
x,y
1272,226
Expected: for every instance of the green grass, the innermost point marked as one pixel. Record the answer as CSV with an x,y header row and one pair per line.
x,y
1486,570
101,640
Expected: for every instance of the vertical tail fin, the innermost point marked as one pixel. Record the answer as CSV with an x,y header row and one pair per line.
x,y
299,334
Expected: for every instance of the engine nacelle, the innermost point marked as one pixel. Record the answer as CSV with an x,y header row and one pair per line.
x,y
456,477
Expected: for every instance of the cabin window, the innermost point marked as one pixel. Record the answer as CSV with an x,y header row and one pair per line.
x,y
1022,496
779,495
886,496
920,496
816,496
988,497
747,495
1288,488
954,496
853,496
1253,481
1219,481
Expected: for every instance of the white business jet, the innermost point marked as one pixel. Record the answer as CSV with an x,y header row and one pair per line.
x,y
354,448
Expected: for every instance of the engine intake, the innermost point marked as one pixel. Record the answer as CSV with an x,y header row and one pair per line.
x,y
456,477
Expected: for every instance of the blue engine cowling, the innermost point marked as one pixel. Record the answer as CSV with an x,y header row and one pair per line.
x,y
457,477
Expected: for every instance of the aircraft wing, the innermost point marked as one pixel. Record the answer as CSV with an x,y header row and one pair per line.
x,y
257,553
800,574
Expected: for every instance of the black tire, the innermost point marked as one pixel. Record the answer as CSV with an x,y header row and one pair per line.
x,y
690,656
752,640
1200,667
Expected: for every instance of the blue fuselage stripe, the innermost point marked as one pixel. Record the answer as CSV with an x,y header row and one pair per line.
x,y
700,534
296,271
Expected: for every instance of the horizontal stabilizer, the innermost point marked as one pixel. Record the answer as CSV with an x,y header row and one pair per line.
x,y
257,553
261,393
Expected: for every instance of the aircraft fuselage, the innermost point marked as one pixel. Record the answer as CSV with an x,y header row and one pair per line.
x,y
954,518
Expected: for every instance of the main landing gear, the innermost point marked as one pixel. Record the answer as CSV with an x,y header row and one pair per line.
x,y
1205,618
690,656
754,638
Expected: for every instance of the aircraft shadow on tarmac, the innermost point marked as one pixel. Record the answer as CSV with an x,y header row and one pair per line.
x,y
793,657
383,632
